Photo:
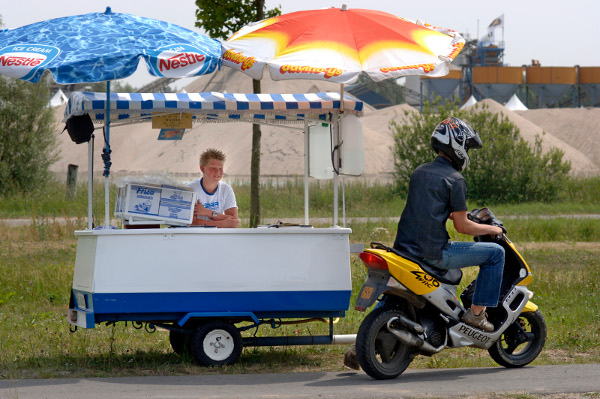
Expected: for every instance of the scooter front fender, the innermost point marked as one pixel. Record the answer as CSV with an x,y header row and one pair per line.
x,y
530,307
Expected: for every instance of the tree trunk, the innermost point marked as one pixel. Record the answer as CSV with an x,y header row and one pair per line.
x,y
255,160
71,181
255,168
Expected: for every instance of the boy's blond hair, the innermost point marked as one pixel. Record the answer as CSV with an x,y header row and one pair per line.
x,y
209,154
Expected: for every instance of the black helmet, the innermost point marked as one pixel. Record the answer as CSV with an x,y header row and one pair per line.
x,y
454,138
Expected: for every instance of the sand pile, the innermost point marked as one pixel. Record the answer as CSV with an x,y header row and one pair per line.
x,y
580,163
578,127
379,139
137,150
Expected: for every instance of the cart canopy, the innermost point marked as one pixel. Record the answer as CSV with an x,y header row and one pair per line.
x,y
212,106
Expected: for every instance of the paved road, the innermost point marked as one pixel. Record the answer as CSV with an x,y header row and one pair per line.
x,y
441,383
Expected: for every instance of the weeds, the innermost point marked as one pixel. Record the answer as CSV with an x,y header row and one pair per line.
x,y
35,340
286,199
37,260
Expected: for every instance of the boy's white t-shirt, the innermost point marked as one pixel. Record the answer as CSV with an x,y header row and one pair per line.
x,y
222,199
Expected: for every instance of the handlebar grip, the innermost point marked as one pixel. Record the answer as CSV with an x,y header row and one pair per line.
x,y
500,237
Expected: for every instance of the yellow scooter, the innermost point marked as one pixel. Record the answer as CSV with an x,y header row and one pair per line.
x,y
420,314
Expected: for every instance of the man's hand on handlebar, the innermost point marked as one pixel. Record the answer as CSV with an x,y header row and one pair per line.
x,y
497,232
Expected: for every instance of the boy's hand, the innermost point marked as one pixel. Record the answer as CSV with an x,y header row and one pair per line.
x,y
200,210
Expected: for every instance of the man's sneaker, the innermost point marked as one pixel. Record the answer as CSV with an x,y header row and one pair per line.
x,y
350,359
478,321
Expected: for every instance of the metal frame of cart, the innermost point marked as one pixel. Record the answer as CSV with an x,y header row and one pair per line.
x,y
162,276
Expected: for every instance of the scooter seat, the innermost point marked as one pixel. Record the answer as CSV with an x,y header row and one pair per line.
x,y
452,276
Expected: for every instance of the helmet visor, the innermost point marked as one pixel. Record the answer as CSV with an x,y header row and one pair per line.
x,y
474,142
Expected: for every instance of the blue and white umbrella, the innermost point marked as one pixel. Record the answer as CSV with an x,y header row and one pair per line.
x,y
101,47
105,46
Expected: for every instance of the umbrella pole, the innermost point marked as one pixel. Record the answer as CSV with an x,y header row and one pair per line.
x,y
336,166
306,167
90,181
106,156
336,157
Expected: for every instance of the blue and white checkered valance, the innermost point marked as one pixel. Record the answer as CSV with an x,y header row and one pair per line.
x,y
211,106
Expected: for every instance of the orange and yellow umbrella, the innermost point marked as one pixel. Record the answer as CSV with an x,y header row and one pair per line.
x,y
337,44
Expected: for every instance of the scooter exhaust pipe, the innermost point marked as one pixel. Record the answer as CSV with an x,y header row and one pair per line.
x,y
411,339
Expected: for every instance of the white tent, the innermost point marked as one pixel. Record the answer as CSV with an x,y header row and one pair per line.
x,y
514,104
471,101
58,99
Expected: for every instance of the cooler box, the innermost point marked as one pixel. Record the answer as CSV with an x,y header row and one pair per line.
x,y
143,203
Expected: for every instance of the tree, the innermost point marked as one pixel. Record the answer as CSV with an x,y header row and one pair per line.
x,y
221,19
506,170
27,142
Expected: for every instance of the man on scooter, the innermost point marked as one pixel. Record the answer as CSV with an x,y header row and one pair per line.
x,y
437,192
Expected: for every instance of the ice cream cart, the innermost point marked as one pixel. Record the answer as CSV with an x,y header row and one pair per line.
x,y
200,283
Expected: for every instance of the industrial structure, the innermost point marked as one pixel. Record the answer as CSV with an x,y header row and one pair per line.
x,y
480,72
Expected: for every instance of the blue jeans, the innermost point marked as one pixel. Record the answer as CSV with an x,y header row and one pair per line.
x,y
490,259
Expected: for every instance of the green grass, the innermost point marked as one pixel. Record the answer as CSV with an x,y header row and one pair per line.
x,y
36,264
519,230
52,202
582,196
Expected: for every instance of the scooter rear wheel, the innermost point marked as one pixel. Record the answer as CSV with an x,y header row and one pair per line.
x,y
522,342
380,354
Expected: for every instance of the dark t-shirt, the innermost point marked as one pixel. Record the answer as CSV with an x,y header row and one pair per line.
x,y
435,190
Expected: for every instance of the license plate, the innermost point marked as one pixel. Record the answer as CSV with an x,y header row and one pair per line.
x,y
367,292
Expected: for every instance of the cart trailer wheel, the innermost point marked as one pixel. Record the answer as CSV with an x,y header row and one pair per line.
x,y
216,343
180,342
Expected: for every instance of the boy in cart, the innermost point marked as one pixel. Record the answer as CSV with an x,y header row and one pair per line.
x,y
216,206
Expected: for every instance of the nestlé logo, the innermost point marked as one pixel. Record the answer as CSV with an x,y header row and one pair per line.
x,y
177,60
22,61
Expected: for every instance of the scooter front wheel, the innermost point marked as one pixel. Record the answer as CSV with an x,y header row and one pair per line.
x,y
380,354
522,341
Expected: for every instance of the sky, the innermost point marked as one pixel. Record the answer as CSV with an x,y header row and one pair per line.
x,y
565,35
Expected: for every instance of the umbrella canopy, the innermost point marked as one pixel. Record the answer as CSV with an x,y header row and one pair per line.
x,y
105,46
100,47
337,44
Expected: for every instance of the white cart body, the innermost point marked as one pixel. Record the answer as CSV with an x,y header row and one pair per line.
x,y
169,275
165,275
